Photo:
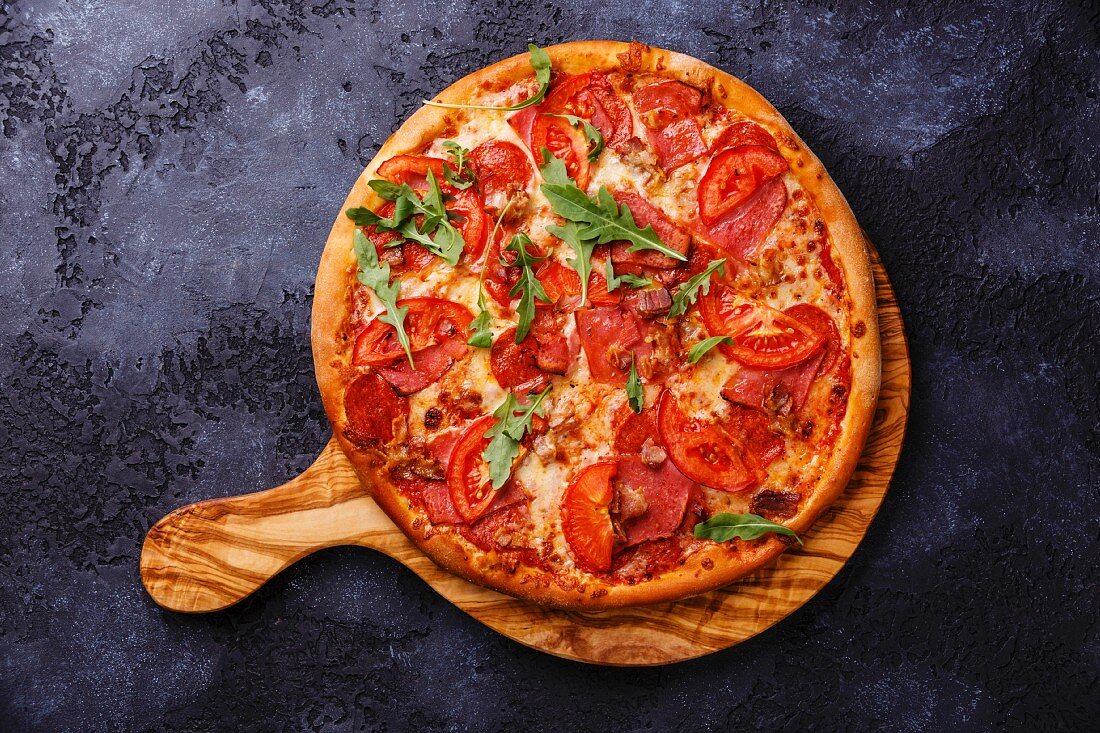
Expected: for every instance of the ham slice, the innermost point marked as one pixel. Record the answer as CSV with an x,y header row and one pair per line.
x,y
741,233
431,364
665,491
774,389
646,214
436,498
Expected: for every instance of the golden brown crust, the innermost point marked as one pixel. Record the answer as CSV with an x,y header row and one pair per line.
x,y
708,568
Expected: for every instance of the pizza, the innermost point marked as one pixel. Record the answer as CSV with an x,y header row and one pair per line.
x,y
596,328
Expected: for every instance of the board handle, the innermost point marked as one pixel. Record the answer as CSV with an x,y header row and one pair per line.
x,y
210,555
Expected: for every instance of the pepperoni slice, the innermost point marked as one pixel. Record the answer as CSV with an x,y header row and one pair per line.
x,y
586,519
501,168
668,108
515,366
665,492
372,407
555,351
646,214
733,176
468,474
634,430
413,170
592,97
763,337
741,234
703,450
743,133
752,430
608,337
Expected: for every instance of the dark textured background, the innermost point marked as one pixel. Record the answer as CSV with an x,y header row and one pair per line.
x,y
168,174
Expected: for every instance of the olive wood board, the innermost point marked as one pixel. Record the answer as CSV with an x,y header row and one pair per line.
x,y
210,555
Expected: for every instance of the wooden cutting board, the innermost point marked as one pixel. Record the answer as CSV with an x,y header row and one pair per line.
x,y
210,555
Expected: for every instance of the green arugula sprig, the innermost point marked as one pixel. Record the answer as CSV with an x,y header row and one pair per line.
x,y
528,288
513,421
375,274
482,336
435,232
582,251
460,176
700,349
592,136
724,527
540,62
635,394
614,281
688,292
601,219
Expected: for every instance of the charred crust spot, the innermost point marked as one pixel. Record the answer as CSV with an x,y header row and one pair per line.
x,y
775,504
599,593
838,393
806,429
819,227
708,564
860,329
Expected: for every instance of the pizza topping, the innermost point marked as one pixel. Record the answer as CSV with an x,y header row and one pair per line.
x,y
761,336
703,450
592,136
565,142
591,96
502,170
724,527
515,365
610,337
651,500
688,292
648,303
635,393
458,175
821,323
586,518
376,276
668,108
733,176
741,233
743,133
646,214
428,321
777,504
375,413
601,219
513,421
468,474
527,287
781,391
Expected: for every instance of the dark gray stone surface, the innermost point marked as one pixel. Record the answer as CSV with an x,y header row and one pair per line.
x,y
168,174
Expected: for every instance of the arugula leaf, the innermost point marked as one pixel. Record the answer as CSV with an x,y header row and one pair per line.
x,y
706,345
528,287
435,233
582,262
724,527
602,218
540,62
635,395
553,169
688,292
375,275
482,337
592,135
461,177
613,280
507,432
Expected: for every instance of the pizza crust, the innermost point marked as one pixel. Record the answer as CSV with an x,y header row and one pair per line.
x,y
703,570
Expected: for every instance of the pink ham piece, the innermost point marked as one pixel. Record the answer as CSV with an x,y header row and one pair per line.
x,y
646,214
666,493
441,510
431,364
741,233
769,389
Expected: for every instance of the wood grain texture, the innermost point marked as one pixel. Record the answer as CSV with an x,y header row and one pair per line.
x,y
210,555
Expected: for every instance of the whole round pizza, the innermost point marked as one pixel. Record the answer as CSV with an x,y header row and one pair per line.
x,y
597,329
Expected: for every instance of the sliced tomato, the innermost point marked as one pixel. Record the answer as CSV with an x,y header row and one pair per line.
x,y
822,323
372,408
473,222
646,214
591,96
733,176
515,366
558,280
743,133
703,450
501,168
565,142
762,336
598,294
429,321
413,170
586,519
608,337
468,473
